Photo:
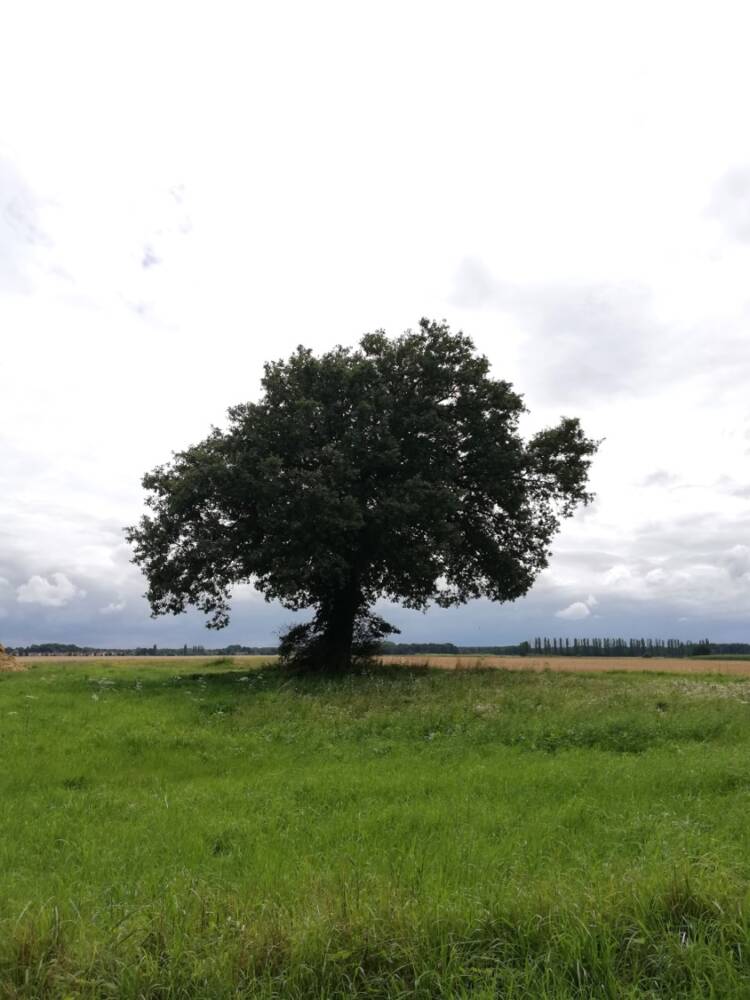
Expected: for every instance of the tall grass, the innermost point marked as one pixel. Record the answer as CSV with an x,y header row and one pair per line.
x,y
222,831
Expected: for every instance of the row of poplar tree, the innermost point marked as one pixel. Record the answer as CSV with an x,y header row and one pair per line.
x,y
617,647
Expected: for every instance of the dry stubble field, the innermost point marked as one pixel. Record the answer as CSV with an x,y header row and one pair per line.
x,y
579,664
562,664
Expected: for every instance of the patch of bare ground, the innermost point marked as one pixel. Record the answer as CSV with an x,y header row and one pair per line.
x,y
577,664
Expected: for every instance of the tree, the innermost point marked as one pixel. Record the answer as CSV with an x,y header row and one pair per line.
x,y
395,470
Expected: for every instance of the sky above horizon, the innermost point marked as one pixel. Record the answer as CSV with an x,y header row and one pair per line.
x,y
187,192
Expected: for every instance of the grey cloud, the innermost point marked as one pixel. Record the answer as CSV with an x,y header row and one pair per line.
x,y
593,342
149,258
26,539
578,341
586,556
693,534
113,608
730,486
695,560
101,618
19,228
659,477
119,615
88,592
737,561
484,623
730,203
691,567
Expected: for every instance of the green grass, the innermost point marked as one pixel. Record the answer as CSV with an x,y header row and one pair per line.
x,y
225,830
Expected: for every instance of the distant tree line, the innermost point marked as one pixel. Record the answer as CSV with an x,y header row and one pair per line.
x,y
577,647
538,647
409,648
490,650
70,649
449,648
623,647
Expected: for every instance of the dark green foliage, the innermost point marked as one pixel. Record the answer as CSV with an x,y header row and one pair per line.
x,y
669,648
410,648
395,470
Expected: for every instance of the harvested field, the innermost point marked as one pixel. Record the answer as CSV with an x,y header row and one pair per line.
x,y
579,664
199,660
559,664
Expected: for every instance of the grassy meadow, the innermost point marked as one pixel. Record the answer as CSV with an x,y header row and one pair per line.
x,y
222,829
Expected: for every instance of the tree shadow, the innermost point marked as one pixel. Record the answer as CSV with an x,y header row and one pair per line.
x,y
240,680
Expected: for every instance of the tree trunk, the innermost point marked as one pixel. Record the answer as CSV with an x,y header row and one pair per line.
x,y
338,634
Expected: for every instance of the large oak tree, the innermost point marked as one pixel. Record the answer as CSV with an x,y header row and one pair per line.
x,y
394,470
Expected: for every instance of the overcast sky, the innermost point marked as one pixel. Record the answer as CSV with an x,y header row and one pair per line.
x,y
187,190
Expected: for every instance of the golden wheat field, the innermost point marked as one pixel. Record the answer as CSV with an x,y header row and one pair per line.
x,y
469,661
577,664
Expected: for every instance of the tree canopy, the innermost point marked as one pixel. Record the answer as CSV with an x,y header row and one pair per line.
x,y
394,470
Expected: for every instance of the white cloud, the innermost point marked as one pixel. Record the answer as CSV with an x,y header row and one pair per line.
x,y
574,612
53,593
578,609
617,574
246,593
112,608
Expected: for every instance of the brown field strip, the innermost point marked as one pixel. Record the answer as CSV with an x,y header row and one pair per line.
x,y
200,659
564,664
578,664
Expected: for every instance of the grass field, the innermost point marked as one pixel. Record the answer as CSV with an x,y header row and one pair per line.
x,y
187,829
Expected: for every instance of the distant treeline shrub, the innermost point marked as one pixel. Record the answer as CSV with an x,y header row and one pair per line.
x,y
625,647
538,647
70,649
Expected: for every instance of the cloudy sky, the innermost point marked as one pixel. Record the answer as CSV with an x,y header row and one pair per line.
x,y
187,190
